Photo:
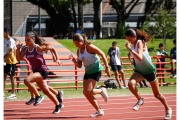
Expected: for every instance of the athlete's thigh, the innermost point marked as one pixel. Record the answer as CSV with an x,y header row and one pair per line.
x,y
136,77
89,84
35,77
42,85
155,87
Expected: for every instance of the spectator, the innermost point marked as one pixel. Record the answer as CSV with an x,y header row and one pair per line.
x,y
116,65
94,35
10,60
91,35
162,54
79,30
66,36
173,59
143,84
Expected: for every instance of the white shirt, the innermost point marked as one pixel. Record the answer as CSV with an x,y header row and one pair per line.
x,y
9,44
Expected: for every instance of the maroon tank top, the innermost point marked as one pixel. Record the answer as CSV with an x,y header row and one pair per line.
x,y
36,60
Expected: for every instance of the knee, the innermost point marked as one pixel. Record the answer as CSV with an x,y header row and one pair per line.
x,y
122,72
87,92
131,83
26,80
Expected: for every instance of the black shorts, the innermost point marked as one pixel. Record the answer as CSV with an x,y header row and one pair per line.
x,y
95,76
10,69
150,78
116,67
43,73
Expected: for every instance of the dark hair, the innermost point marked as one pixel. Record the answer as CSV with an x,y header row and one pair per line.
x,y
161,44
6,30
114,43
33,34
142,35
130,32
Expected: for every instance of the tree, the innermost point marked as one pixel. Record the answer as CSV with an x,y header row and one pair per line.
x,y
74,15
151,8
80,10
123,12
164,24
60,15
96,7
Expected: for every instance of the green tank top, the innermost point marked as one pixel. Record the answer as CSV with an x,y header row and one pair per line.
x,y
145,66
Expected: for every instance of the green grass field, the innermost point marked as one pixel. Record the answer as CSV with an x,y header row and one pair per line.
x,y
104,46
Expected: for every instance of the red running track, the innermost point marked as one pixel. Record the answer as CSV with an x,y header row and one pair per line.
x,y
118,108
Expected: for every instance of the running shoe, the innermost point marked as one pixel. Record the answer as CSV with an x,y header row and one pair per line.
x,y
60,98
168,114
57,109
104,94
12,97
98,113
138,104
38,100
31,101
122,87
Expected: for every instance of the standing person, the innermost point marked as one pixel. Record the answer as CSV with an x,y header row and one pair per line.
x,y
162,54
116,65
34,54
144,68
87,54
10,60
173,59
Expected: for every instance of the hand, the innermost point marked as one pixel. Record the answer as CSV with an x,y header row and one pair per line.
x,y
108,72
19,45
71,56
128,45
58,62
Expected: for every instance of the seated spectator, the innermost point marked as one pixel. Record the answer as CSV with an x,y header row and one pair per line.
x,y
94,35
79,30
173,59
162,54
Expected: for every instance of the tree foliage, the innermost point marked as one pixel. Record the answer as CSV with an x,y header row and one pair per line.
x,y
164,24
151,8
60,15
123,12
